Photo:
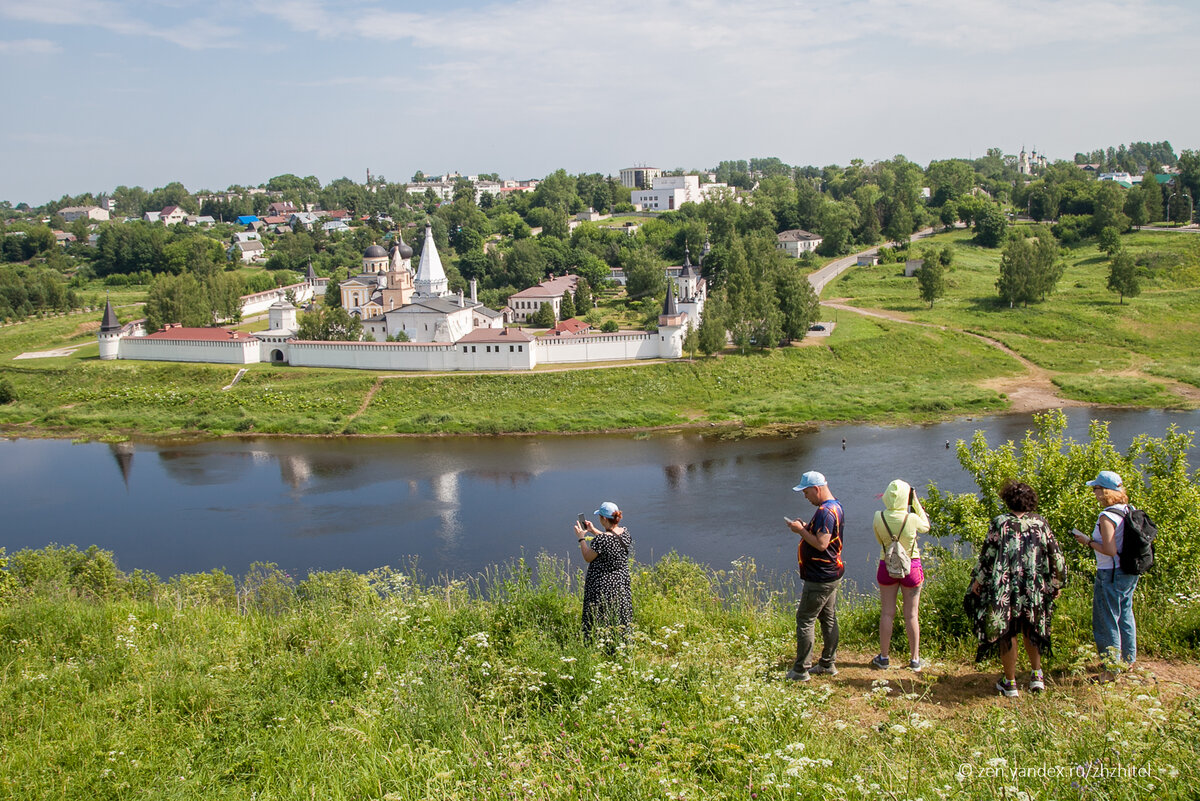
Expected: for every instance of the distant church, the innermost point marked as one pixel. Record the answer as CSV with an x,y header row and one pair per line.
x,y
390,300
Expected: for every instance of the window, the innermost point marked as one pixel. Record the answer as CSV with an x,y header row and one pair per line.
x,y
510,348
472,349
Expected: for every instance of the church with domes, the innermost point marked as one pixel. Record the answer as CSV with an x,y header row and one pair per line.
x,y
391,300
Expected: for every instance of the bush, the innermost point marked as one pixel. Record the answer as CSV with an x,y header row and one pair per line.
x,y
1157,477
56,571
7,393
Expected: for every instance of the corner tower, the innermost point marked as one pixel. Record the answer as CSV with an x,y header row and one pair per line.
x,y
110,333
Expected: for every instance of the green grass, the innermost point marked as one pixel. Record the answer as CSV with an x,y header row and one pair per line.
x,y
851,379
1113,390
345,686
1082,327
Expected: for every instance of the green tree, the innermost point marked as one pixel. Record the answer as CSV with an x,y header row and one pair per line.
x,y
990,226
1017,282
1123,277
1109,240
712,329
931,280
798,303
177,299
329,325
567,309
645,275
610,327
333,293
583,297
543,317
691,341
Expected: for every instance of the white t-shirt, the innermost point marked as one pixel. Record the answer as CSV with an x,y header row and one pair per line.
x,y
1116,514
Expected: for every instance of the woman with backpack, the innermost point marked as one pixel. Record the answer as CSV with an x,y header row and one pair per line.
x,y
1021,571
1113,626
896,527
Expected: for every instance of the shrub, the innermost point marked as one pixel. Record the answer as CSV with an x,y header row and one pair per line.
x,y
214,589
55,570
266,588
1157,477
7,393
340,589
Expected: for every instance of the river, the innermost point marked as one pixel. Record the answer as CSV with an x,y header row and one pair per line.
x,y
459,505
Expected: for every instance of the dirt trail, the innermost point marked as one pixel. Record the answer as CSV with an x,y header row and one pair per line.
x,y
956,689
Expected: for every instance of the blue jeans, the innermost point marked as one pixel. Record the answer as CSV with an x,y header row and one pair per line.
x,y
1113,625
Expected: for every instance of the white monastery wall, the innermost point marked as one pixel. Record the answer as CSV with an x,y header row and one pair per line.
x,y
241,351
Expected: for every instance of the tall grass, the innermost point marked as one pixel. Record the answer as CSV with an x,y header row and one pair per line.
x,y
342,685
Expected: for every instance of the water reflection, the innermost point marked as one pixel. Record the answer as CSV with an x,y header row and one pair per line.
x,y
462,504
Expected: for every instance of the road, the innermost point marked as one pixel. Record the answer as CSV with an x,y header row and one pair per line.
x,y
835,268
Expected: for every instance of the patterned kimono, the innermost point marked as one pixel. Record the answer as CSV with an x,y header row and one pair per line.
x,y
1021,570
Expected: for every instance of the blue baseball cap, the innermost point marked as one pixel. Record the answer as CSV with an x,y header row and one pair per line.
x,y
810,479
1106,479
607,509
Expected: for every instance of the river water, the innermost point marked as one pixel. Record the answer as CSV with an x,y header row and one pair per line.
x,y
460,505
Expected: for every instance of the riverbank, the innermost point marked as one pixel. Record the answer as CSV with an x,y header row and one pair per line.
x,y
889,359
346,685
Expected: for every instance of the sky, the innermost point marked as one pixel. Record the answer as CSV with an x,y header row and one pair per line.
x,y
102,93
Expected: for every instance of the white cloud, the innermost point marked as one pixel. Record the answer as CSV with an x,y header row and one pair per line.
x,y
29,47
122,18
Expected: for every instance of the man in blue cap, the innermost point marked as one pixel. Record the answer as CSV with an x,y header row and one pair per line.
x,y
820,557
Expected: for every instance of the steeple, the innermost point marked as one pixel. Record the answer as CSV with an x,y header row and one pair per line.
x,y
431,278
669,307
109,323
686,272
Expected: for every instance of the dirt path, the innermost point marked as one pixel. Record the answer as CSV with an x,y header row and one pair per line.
x,y
955,689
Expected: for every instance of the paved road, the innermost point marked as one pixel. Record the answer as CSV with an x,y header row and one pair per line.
x,y
835,268
1183,229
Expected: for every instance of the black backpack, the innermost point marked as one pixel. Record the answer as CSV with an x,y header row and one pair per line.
x,y
1137,547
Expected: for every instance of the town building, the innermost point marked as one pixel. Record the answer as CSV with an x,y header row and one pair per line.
x,y
797,242
639,177
73,213
669,192
528,302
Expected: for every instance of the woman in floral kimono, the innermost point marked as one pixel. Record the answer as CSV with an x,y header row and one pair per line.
x,y
1021,571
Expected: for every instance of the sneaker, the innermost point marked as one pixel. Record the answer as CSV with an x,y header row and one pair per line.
x,y
880,662
820,670
1007,688
1036,682
916,665
798,675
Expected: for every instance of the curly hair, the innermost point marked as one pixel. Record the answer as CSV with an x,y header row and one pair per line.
x,y
1018,496
1111,497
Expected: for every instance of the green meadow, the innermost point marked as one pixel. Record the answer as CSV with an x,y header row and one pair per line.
x,y
394,686
1080,329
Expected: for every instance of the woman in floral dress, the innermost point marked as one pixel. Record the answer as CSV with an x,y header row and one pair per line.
x,y
607,595
1021,571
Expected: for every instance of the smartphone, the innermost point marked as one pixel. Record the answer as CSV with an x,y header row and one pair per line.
x,y
582,520
1076,533
788,520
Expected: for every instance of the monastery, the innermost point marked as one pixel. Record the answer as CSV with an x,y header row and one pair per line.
x,y
446,331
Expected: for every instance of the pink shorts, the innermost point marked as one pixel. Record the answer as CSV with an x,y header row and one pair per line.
x,y
914,578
